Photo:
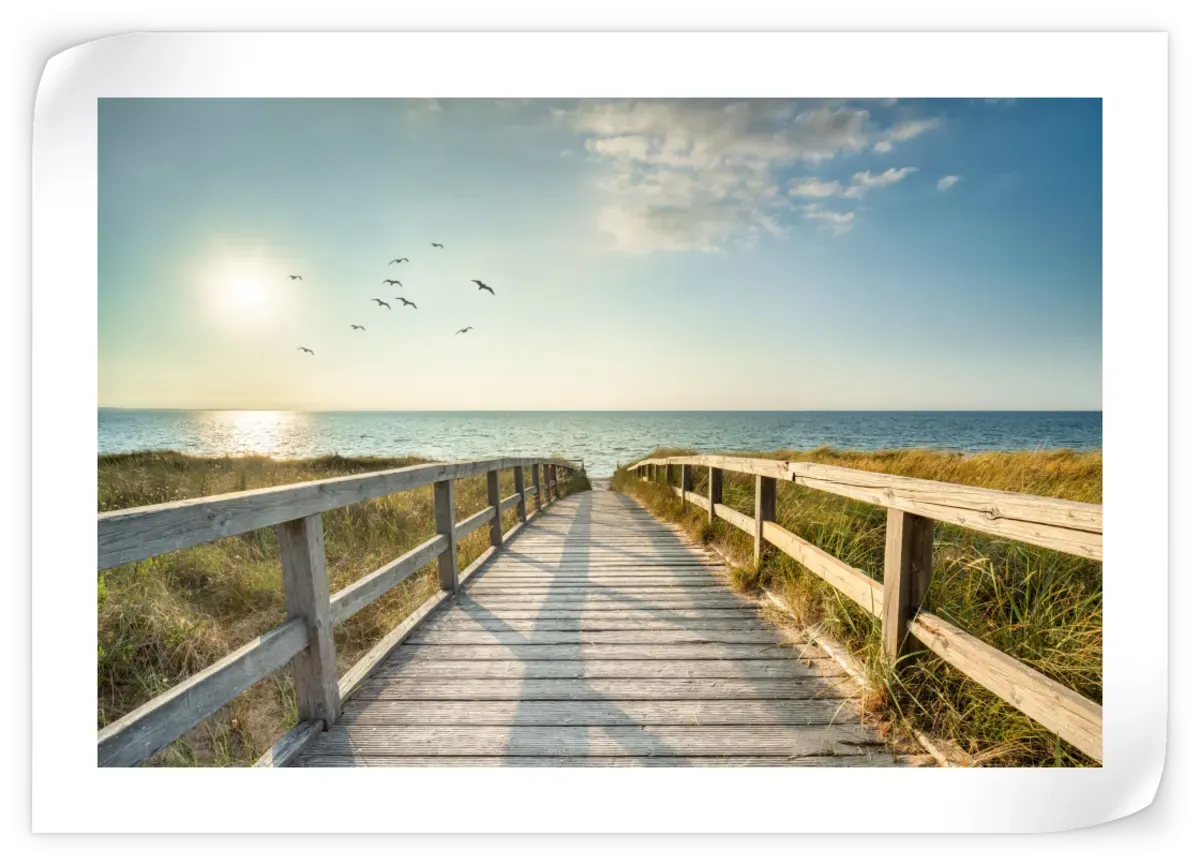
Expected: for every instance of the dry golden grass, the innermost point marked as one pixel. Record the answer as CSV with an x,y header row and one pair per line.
x,y
1040,606
166,618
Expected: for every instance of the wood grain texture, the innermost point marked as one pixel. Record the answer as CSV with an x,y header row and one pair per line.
x,y
137,533
907,571
715,650
598,633
496,529
579,689
735,518
853,583
870,759
306,596
154,725
764,512
1058,524
377,654
353,598
716,487
596,741
290,746
443,512
593,713
1075,718
477,520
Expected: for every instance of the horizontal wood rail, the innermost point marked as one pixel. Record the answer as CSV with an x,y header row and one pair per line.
x,y
305,639
913,506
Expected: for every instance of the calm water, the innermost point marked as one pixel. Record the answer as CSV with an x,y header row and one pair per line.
x,y
602,439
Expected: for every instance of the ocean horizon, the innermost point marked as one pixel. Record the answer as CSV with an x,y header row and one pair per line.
x,y
603,439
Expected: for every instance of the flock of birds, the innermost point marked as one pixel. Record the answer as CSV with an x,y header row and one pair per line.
x,y
480,285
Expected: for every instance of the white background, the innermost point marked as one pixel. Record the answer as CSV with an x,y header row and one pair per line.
x,y
516,64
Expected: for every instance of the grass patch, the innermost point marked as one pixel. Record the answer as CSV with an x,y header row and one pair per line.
x,y
1039,606
163,619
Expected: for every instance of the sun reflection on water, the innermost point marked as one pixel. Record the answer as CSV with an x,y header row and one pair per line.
x,y
271,433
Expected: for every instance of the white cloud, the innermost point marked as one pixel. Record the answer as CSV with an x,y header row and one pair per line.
x,y
834,221
704,174
904,130
864,181
814,187
707,175
947,181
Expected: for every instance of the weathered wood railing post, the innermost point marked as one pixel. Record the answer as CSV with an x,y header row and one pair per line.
x,y
306,594
907,570
764,512
685,481
537,487
443,512
519,485
497,523
715,481
549,478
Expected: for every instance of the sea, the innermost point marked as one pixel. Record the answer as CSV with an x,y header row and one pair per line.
x,y
602,439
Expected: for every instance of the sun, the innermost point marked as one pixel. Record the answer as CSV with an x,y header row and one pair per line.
x,y
241,292
247,293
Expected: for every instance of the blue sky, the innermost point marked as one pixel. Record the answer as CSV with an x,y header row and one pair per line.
x,y
753,254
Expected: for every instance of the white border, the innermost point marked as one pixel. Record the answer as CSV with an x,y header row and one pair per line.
x,y
1128,70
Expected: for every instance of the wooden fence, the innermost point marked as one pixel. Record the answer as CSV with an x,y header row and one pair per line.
x,y
912,508
306,638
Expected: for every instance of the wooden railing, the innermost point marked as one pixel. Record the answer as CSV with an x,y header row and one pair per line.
x,y
306,638
912,508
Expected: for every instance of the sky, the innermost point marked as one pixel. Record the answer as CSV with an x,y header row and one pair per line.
x,y
672,254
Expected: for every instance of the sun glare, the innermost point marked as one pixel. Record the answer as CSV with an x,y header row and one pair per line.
x,y
242,292
247,293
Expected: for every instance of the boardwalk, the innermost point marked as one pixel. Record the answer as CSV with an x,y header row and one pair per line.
x,y
599,637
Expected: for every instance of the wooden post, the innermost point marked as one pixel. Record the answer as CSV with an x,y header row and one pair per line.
x,y
764,512
537,488
443,512
493,488
547,471
907,570
715,479
306,593
519,484
685,481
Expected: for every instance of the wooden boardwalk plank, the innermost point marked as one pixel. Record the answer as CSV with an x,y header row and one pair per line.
x,y
611,652
869,759
656,669
605,689
596,741
600,637
596,713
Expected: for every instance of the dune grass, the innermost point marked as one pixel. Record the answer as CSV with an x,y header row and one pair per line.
x,y
1040,606
163,619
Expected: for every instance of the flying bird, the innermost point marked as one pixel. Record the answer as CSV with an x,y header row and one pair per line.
x,y
295,276
382,302
483,286
437,246
357,327
397,260
302,348
464,330
393,282
407,302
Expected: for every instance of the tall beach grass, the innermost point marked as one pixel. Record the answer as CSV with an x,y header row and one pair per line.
x,y
1039,606
163,619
